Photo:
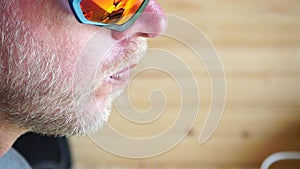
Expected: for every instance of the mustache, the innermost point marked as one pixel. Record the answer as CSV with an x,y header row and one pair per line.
x,y
122,56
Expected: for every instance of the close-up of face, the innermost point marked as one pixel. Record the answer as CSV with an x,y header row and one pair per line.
x,y
93,84
59,76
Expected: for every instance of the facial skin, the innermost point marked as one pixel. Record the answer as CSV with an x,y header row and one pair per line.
x,y
59,77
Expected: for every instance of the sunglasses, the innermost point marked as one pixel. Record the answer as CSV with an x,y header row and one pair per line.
x,y
112,14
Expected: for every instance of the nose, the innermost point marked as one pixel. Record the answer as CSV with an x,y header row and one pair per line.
x,y
150,24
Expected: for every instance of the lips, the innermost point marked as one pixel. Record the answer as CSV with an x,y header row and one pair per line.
x,y
120,75
115,66
120,80
123,57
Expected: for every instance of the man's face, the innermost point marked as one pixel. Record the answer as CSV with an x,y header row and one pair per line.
x,y
60,77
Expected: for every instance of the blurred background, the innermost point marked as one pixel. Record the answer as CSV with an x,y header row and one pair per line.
x,y
259,45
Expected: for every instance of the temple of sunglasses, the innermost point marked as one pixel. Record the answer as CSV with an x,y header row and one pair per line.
x,y
117,15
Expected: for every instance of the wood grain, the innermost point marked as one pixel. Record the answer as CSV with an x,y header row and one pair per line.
x,y
259,45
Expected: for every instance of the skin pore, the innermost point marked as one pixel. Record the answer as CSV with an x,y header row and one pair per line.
x,y
50,82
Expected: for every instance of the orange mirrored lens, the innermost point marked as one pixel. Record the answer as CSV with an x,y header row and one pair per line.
x,y
110,11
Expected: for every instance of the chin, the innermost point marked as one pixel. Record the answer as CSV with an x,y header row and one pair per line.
x,y
94,118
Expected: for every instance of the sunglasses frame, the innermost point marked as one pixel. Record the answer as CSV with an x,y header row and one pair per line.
x,y
75,6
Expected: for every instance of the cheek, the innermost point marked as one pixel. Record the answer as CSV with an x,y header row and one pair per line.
x,y
67,46
64,4
73,52
57,29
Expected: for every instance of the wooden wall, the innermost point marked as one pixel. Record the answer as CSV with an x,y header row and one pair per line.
x,y
259,46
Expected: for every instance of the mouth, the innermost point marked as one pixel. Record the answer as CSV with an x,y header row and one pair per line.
x,y
116,66
120,80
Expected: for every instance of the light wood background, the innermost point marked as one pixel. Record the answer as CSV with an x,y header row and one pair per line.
x,y
259,45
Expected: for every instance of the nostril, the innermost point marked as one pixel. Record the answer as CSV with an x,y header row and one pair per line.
x,y
142,34
119,35
146,35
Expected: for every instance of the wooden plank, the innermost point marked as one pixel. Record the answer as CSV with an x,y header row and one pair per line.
x,y
239,89
232,144
259,45
243,23
237,61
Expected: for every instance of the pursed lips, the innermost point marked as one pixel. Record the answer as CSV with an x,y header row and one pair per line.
x,y
122,59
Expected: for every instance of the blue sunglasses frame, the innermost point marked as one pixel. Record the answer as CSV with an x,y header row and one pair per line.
x,y
75,6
